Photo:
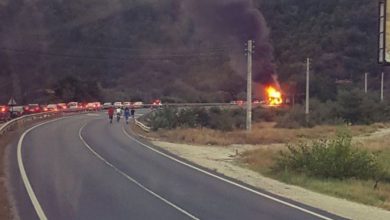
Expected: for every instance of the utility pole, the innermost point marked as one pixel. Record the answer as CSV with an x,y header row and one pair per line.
x,y
307,110
249,88
365,83
382,86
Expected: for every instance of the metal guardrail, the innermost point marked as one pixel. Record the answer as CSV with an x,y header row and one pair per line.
x,y
20,121
142,126
27,118
191,105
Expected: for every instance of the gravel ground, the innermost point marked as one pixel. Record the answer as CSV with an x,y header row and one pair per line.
x,y
221,159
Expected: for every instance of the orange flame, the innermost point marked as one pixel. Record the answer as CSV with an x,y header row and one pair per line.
x,y
274,96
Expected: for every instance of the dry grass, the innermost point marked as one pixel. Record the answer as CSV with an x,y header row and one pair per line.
x,y
262,133
361,191
271,141
263,159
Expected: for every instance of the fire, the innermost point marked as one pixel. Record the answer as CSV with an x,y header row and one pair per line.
x,y
274,96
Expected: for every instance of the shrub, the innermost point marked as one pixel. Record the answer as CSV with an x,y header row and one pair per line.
x,y
295,118
202,117
335,158
221,120
264,115
214,118
164,118
187,118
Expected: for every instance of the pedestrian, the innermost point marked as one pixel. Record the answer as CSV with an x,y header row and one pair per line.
x,y
118,114
127,114
110,114
132,113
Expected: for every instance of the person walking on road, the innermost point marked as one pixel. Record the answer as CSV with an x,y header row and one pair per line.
x,y
111,114
132,113
118,114
127,115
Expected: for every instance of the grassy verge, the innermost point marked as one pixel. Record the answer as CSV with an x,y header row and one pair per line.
x,y
362,191
263,133
271,140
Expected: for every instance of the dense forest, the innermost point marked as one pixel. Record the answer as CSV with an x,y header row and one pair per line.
x,y
63,50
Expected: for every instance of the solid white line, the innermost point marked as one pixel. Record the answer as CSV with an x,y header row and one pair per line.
x,y
133,180
228,181
26,182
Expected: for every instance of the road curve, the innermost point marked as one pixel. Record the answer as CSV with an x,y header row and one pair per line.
x,y
82,167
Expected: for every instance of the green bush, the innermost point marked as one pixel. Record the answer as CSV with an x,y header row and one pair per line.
x,y
358,108
335,158
164,118
226,119
187,118
295,118
202,117
214,118
264,114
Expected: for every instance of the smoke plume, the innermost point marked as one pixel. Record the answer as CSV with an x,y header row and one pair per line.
x,y
234,22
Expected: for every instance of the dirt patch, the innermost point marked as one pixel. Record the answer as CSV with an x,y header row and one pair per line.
x,y
223,160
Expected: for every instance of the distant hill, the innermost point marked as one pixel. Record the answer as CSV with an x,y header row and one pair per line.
x,y
146,49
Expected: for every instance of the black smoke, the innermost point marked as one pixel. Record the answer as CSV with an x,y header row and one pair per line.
x,y
234,22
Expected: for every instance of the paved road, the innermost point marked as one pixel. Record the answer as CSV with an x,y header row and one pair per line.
x,y
82,167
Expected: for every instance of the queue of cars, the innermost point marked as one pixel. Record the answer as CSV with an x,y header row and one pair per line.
x,y
4,113
7,113
154,104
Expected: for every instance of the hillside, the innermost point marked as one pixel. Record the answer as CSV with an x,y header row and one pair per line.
x,y
178,50
340,36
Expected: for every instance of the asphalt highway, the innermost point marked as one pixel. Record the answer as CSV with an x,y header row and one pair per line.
x,y
82,167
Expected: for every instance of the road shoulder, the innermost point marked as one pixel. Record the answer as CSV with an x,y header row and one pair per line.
x,y
222,160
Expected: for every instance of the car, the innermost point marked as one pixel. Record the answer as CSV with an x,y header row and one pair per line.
x,y
90,106
256,102
156,103
98,106
61,106
82,105
107,105
118,104
127,104
44,108
73,105
16,111
52,107
93,106
138,105
31,109
4,113
238,102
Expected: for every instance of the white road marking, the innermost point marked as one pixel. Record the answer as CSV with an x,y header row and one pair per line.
x,y
133,180
228,181
26,181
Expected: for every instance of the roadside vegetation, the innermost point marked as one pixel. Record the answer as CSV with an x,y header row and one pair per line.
x,y
353,164
340,166
351,107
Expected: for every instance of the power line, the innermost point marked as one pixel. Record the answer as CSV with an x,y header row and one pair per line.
x,y
211,53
